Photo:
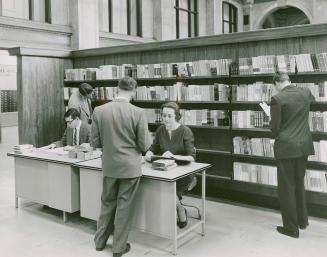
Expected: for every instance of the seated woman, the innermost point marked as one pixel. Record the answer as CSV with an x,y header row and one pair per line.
x,y
173,139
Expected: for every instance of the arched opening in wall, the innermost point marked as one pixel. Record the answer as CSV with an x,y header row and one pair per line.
x,y
285,16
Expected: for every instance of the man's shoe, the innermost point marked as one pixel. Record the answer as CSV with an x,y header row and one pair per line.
x,y
127,249
286,232
303,226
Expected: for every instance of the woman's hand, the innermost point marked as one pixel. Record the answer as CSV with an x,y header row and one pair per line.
x,y
167,154
148,156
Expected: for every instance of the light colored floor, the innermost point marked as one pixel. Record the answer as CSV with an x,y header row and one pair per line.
x,y
231,230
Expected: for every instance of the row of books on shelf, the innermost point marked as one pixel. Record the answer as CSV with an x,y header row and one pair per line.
x,y
264,147
258,119
260,91
265,64
264,174
250,119
181,92
8,101
177,92
203,117
318,121
320,148
254,146
157,70
319,91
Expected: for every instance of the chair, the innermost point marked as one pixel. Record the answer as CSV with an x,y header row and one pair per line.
x,y
190,187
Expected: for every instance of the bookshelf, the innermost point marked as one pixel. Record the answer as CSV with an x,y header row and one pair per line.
x,y
221,154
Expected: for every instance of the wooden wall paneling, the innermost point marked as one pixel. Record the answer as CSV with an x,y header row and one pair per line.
x,y
271,47
163,56
41,104
119,59
287,46
315,44
152,57
89,62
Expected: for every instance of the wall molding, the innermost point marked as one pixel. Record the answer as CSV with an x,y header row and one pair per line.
x,y
40,52
233,38
122,37
15,23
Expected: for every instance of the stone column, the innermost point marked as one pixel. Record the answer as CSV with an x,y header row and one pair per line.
x,y
85,23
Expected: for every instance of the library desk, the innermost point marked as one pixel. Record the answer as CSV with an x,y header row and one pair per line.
x,y
156,199
47,179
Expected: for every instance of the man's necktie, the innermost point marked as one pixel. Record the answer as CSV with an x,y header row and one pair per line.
x,y
75,137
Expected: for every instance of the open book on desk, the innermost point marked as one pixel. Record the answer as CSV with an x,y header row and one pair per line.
x,y
176,159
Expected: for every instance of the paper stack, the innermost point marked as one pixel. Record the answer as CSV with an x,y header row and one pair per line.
x,y
163,164
23,149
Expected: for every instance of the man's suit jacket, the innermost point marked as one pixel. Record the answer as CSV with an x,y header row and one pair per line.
x,y
121,130
289,122
84,135
82,104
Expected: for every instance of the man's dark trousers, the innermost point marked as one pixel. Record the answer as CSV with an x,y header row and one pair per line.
x,y
291,192
117,209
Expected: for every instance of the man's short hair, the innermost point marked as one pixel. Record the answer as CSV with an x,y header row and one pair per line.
x,y
85,89
280,77
72,112
127,84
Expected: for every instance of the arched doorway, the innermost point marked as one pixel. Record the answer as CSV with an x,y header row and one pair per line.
x,y
285,16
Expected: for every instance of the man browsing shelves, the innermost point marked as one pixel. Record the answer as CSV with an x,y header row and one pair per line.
x,y
293,143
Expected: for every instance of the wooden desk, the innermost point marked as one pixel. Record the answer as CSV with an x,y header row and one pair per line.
x,y
156,211
48,179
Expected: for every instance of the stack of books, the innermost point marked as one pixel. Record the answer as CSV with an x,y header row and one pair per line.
x,y
23,149
163,164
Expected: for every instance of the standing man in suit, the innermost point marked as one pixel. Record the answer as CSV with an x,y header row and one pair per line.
x,y
77,132
81,100
121,130
293,143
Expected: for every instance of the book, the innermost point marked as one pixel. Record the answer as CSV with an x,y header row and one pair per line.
x,y
164,164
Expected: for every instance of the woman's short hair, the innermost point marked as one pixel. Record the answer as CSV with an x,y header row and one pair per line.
x,y
175,107
280,77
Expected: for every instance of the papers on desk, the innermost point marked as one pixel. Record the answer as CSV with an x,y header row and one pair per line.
x,y
23,149
60,151
77,152
164,164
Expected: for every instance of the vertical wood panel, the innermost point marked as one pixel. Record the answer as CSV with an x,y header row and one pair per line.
x,y
41,103
314,44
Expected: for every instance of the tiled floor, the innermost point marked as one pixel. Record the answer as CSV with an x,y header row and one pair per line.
x,y
231,230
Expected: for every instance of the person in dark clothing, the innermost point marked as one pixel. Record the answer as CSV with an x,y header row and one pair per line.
x,y
293,143
173,139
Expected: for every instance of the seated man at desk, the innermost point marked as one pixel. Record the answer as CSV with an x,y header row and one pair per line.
x,y
78,132
173,139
